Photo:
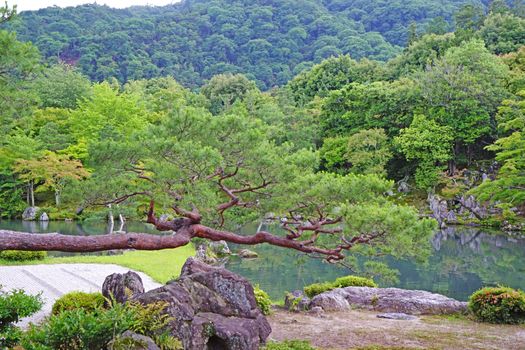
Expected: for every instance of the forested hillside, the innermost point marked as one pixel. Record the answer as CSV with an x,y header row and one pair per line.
x,y
434,117
268,41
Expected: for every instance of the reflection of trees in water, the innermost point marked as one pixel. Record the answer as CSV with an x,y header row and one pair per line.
x,y
464,259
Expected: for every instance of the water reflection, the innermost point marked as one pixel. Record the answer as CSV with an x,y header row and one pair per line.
x,y
463,260
74,227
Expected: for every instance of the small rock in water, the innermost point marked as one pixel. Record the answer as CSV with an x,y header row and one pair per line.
x,y
44,217
29,213
397,316
248,254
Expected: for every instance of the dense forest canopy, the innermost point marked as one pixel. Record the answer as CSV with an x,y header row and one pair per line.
x,y
268,41
85,139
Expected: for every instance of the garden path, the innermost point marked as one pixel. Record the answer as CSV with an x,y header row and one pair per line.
x,y
54,281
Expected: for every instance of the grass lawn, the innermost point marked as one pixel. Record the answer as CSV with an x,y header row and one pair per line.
x,y
161,265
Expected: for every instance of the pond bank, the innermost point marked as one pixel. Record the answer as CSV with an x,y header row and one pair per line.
x,y
360,328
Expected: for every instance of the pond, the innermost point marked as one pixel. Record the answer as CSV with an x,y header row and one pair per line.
x,y
463,260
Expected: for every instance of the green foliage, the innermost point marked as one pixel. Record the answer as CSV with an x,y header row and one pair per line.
x,y
368,152
317,288
263,300
503,32
78,300
197,40
224,89
430,144
332,74
61,86
510,149
289,345
333,154
93,329
354,281
22,255
79,329
341,282
15,305
498,305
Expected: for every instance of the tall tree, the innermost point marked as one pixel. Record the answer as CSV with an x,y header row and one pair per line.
x,y
430,145
52,170
509,185
462,90
218,172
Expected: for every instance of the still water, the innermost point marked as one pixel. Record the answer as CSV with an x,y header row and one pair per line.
x,y
463,260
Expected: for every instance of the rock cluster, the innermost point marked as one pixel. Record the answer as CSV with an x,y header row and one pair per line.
x,y
211,307
413,302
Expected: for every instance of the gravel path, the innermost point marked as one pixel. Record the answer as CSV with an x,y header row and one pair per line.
x,y
55,280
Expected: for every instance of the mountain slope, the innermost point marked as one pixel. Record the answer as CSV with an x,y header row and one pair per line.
x,y
269,40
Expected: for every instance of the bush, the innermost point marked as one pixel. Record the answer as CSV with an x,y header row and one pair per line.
x,y
289,345
78,300
354,281
317,288
94,329
263,300
347,281
498,305
13,306
22,255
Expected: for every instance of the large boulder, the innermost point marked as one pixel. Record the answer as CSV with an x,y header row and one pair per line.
x,y
413,302
211,308
29,213
122,287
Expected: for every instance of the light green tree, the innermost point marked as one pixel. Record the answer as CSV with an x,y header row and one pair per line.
x,y
509,185
428,143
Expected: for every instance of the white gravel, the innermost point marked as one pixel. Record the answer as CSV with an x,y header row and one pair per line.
x,y
55,280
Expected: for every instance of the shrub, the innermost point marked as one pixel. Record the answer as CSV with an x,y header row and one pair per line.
x,y
498,305
354,281
79,329
13,306
78,300
263,300
22,255
347,281
317,288
289,345
94,329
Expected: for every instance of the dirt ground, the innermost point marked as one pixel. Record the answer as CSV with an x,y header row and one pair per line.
x,y
360,329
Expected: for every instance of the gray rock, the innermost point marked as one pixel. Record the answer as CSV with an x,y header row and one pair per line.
x,y
248,254
396,316
202,255
122,287
29,213
296,301
413,302
317,311
212,308
44,217
220,248
133,341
